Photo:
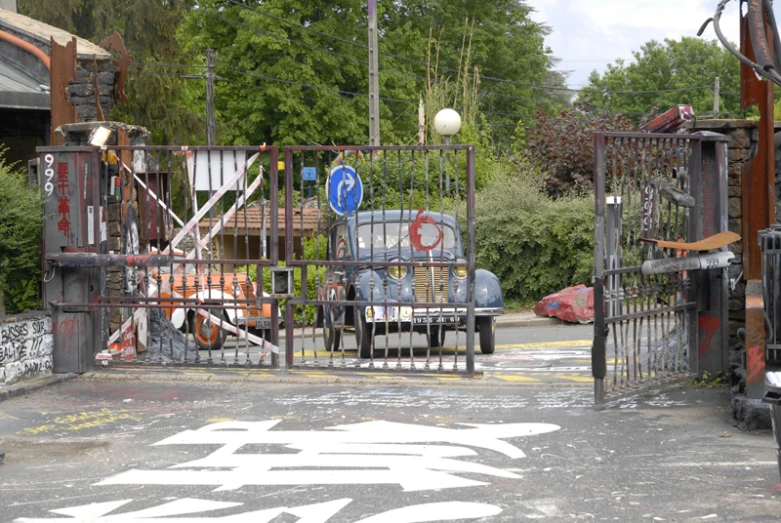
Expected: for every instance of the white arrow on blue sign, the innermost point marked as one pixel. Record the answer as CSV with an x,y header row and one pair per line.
x,y
345,190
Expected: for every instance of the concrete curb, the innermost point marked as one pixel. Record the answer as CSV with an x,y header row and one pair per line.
x,y
25,388
534,321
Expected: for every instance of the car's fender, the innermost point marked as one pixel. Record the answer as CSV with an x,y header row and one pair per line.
x,y
488,290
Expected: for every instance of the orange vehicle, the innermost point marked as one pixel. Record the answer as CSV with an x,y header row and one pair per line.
x,y
221,288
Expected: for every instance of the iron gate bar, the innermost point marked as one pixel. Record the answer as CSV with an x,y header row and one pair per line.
x,y
633,303
374,155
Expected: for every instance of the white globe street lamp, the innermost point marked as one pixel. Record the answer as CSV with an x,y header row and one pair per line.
x,y
447,122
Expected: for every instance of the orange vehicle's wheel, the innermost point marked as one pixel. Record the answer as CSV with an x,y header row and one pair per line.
x,y
207,334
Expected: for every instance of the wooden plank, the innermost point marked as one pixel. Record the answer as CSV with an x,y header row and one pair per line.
x,y
717,241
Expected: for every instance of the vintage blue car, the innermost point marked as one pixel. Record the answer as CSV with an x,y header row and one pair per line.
x,y
386,236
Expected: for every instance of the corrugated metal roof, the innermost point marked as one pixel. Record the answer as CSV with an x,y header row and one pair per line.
x,y
19,90
44,32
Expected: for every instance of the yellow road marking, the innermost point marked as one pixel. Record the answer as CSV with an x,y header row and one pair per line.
x,y
547,344
516,378
574,377
219,420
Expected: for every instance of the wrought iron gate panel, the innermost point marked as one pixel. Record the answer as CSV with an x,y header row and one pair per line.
x,y
179,266
645,324
391,261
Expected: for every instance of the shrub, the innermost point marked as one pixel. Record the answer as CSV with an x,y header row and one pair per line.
x,y
563,145
306,316
21,221
536,245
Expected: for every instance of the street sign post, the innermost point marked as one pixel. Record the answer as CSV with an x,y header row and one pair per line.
x,y
345,190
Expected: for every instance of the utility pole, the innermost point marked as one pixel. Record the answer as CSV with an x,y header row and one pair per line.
x,y
211,127
374,77
716,98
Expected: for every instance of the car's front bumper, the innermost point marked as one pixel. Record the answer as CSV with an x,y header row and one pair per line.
x,y
445,315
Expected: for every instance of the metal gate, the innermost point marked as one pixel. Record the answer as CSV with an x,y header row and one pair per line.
x,y
180,250
645,325
388,281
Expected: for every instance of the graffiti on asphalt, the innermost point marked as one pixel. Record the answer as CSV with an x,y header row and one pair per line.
x,y
415,457
316,513
371,453
82,420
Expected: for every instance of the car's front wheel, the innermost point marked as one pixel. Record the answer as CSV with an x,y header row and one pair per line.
x,y
486,326
331,335
364,334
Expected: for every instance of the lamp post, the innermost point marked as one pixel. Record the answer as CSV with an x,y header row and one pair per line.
x,y
447,122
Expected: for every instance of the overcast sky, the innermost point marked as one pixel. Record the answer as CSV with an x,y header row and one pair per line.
x,y
589,34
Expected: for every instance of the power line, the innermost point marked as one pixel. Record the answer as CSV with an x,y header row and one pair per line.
x,y
350,94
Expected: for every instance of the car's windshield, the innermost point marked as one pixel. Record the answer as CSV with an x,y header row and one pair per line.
x,y
392,235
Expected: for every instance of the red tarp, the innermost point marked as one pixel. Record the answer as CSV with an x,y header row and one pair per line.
x,y
573,304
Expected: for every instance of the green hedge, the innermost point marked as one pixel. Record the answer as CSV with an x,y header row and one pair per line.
x,y
535,245
21,221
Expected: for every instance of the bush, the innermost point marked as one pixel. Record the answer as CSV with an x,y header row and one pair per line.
x,y
562,146
307,316
536,245
21,221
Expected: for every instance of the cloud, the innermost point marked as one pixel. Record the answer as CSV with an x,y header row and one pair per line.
x,y
589,34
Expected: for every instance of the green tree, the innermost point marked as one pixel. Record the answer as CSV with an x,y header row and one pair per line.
x,y
283,83
159,98
689,63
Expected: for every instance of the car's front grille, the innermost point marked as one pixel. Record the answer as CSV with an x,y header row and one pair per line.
x,y
431,284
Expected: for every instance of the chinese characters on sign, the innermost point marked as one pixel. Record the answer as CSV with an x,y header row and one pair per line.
x,y
63,207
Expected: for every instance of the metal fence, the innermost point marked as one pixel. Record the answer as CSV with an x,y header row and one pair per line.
x,y
645,324
191,258
389,280
770,243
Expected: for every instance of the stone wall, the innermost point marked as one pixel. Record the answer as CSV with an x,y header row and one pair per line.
x,y
81,92
25,346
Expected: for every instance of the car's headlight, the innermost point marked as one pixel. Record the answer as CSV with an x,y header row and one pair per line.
x,y
397,272
460,272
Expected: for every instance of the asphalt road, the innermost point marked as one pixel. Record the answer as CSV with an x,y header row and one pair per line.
x,y
188,451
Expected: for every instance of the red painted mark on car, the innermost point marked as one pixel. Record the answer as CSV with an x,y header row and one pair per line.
x,y
416,236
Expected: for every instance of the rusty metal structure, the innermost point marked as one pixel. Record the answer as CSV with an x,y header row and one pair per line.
x,y
759,71
644,325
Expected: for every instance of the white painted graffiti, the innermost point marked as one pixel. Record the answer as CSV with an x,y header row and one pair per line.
x,y
371,453
49,173
316,513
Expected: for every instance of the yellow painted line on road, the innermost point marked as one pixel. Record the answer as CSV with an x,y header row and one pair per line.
x,y
574,377
515,378
546,344
350,353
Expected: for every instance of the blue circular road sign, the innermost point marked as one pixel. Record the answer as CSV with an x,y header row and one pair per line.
x,y
345,190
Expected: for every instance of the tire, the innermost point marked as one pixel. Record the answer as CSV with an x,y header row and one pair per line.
x,y
207,337
332,337
436,337
364,334
486,326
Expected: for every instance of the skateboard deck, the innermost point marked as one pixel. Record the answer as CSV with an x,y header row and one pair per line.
x,y
717,241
